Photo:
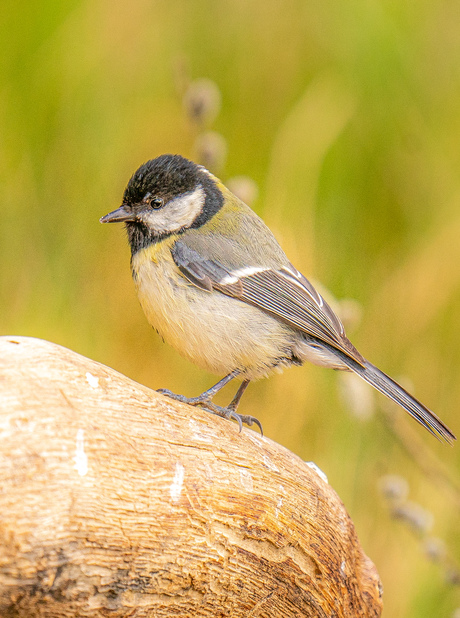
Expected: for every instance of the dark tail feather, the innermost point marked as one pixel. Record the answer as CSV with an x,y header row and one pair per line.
x,y
398,394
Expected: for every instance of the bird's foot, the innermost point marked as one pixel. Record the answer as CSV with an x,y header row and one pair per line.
x,y
205,403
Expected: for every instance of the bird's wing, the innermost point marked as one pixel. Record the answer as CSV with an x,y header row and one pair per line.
x,y
282,292
286,294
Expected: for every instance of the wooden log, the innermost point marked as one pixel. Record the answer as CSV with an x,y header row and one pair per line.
x,y
115,500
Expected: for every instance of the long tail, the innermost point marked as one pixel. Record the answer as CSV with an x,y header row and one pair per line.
x,y
384,384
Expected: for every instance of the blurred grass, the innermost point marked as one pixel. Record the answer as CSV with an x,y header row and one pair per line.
x,y
347,116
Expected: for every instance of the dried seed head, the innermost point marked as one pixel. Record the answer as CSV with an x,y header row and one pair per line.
x,y
394,488
415,516
211,151
202,101
453,577
434,548
357,396
350,312
245,188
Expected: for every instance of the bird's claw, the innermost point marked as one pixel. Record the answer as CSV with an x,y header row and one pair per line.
x,y
228,412
252,420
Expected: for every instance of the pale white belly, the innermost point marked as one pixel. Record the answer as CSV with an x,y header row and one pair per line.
x,y
216,332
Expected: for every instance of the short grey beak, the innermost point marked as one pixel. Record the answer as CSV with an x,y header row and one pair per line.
x,y
120,214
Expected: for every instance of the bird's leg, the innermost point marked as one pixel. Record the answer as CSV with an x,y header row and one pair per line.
x,y
239,393
205,397
247,420
204,401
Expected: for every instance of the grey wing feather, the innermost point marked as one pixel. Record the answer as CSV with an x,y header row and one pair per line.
x,y
286,296
284,293
203,272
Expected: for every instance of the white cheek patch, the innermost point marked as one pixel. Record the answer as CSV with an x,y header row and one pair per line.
x,y
178,213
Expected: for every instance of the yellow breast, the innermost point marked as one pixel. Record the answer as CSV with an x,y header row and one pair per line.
x,y
215,332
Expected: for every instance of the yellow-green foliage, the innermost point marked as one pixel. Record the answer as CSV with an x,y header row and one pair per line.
x,y
347,116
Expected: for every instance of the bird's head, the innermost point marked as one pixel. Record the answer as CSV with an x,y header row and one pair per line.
x,y
166,196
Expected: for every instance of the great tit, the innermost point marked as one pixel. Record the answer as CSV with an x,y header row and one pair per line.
x,y
215,284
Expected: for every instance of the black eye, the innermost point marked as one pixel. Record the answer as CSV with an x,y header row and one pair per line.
x,y
156,202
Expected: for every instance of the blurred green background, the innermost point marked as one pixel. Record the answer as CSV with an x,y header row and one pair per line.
x,y
347,116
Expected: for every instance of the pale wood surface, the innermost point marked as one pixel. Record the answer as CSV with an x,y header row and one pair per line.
x,y
115,501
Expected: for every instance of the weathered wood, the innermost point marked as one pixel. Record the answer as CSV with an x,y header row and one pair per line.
x,y
117,501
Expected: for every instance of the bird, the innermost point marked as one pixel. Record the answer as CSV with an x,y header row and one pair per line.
x,y
216,285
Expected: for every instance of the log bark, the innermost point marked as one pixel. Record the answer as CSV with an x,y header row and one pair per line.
x,y
116,501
